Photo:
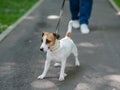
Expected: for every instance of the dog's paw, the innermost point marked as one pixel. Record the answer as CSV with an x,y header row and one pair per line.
x,y
65,74
57,64
40,77
77,63
61,78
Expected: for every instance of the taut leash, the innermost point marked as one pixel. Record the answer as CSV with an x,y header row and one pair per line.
x,y
60,15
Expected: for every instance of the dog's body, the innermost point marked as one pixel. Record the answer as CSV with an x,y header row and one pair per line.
x,y
58,50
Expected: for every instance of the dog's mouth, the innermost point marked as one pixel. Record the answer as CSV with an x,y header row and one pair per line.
x,y
41,49
44,49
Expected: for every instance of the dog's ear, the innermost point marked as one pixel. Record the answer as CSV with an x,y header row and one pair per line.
x,y
42,34
56,35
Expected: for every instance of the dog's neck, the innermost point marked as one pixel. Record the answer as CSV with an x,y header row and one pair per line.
x,y
56,46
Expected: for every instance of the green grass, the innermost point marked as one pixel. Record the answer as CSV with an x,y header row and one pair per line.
x,y
11,10
117,3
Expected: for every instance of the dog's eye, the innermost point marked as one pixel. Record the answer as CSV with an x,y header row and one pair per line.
x,y
47,41
42,40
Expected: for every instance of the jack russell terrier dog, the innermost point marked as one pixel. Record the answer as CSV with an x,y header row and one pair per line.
x,y
58,50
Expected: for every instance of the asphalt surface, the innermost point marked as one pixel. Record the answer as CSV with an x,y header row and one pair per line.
x,y
21,62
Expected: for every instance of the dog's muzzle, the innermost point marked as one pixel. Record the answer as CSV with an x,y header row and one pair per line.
x,y
41,49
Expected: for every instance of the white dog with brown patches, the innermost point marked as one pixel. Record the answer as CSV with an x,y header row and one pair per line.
x,y
58,50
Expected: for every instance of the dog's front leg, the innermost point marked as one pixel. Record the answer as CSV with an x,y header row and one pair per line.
x,y
46,67
61,78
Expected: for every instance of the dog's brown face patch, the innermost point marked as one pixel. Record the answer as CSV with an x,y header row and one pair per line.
x,y
50,38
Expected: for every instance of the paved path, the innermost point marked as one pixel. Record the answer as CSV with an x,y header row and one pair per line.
x,y
99,52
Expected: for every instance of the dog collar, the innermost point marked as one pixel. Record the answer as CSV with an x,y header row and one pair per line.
x,y
55,47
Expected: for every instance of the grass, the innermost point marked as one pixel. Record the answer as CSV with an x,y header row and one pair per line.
x,y
11,10
117,2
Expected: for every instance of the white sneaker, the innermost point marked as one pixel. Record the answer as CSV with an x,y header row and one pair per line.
x,y
75,24
84,29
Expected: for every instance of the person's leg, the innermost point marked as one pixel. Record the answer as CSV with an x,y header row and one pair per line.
x,y
74,9
85,13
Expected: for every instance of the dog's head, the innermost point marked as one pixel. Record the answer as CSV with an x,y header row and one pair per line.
x,y
48,40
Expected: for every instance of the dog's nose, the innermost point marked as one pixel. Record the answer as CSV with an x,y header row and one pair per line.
x,y
41,49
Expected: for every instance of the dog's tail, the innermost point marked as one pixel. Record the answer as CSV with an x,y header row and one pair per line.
x,y
69,31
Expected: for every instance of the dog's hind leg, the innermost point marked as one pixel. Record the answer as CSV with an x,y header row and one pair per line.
x,y
75,53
